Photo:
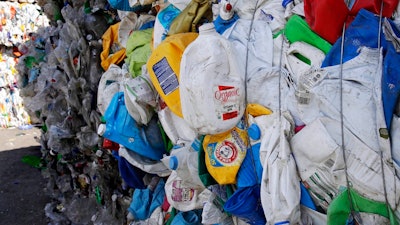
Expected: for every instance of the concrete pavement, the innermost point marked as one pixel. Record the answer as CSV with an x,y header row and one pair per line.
x,y
22,196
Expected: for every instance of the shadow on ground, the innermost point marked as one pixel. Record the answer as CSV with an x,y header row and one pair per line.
x,y
22,196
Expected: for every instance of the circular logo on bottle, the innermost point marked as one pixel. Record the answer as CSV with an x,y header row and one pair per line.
x,y
227,152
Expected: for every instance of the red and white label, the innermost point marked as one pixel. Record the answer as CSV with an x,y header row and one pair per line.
x,y
225,93
227,152
226,99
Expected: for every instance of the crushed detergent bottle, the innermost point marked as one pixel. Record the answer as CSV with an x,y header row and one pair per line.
x,y
225,153
211,83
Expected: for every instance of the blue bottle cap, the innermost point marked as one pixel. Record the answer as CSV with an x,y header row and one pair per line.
x,y
286,2
173,162
282,223
254,132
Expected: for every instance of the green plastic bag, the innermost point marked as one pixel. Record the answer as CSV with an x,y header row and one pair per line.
x,y
138,50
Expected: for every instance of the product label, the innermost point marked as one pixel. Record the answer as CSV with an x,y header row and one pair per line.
x,y
165,76
229,150
227,102
181,194
167,15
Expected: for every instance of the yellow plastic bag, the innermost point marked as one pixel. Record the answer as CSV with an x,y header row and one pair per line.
x,y
113,52
196,13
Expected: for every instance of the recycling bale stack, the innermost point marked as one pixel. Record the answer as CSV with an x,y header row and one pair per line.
x,y
217,112
59,72
18,21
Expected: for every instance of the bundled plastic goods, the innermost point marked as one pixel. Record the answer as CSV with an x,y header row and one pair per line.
x,y
217,112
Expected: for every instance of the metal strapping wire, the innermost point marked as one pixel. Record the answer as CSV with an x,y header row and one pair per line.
x,y
348,184
381,152
245,87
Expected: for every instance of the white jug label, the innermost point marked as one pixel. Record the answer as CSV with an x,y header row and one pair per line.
x,y
165,76
226,99
181,194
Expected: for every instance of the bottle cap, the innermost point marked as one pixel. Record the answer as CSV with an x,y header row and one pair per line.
x,y
99,153
254,132
282,223
226,11
101,129
173,162
286,2
53,153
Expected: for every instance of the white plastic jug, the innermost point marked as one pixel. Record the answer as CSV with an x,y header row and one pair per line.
x,y
211,83
184,160
395,141
182,195
176,128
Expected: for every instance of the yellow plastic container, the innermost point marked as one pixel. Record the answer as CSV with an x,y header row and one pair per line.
x,y
164,66
225,153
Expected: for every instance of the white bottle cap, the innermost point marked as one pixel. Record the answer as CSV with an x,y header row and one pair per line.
x,y
99,153
101,129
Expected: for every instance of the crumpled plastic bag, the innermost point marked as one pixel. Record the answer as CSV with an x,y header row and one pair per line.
x,y
113,52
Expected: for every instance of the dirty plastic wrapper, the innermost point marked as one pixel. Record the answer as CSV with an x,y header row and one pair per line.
x,y
109,84
113,52
175,127
194,15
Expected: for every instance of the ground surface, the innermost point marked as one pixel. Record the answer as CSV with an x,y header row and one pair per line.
x,y
22,196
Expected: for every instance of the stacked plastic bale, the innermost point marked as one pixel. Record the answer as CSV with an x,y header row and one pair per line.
x,y
204,128
59,72
18,20
232,100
